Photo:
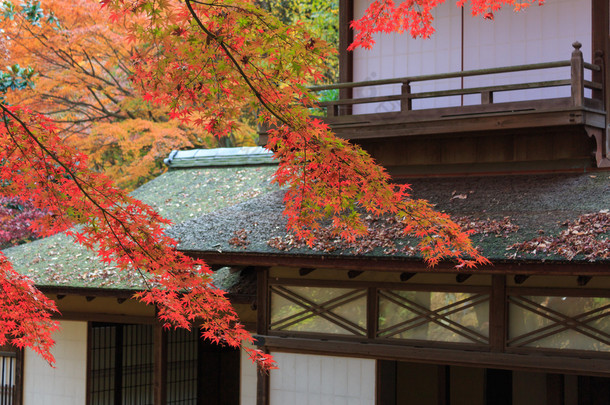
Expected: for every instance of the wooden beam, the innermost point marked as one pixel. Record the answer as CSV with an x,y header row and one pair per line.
x,y
483,359
406,276
110,318
90,298
121,300
460,278
61,297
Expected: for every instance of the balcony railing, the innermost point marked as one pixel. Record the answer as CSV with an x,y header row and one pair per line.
x,y
338,111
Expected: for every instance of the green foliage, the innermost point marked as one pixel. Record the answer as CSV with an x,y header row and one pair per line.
x,y
30,10
15,78
320,17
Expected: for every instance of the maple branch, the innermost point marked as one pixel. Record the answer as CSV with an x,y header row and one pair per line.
x,y
228,53
86,194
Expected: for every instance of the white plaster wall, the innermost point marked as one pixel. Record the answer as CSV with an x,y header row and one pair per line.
x,y
65,384
247,381
538,34
399,55
322,380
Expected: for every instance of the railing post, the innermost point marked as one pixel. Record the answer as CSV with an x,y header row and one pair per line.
x,y
406,102
577,76
331,110
487,97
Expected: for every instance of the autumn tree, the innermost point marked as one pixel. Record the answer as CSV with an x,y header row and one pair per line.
x,y
207,62
70,63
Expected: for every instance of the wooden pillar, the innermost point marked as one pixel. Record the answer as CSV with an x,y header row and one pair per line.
x,y
600,27
262,322
160,364
262,386
555,389
18,396
498,313
346,59
386,382
577,76
444,385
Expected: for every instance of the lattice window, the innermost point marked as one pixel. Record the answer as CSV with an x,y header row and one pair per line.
x,y
182,366
319,310
434,316
8,375
121,364
579,323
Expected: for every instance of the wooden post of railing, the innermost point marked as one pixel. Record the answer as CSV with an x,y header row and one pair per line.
x,y
487,97
577,75
331,110
406,102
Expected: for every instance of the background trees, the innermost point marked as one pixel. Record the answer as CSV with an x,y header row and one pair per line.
x,y
71,63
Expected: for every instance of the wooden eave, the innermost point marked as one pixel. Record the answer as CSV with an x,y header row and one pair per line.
x,y
402,264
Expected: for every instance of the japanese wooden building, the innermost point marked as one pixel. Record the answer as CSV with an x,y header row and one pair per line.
x,y
503,121
502,124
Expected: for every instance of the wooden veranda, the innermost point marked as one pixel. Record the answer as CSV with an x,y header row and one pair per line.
x,y
583,112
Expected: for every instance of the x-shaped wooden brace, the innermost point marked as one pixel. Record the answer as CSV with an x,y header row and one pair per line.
x,y
559,322
438,316
323,310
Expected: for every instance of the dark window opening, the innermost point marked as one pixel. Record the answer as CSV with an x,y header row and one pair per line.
x,y
121,367
426,384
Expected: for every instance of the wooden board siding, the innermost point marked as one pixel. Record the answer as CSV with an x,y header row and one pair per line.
x,y
551,148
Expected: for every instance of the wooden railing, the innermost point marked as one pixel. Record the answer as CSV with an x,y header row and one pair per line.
x,y
576,81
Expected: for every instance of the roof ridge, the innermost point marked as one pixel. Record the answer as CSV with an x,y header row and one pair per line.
x,y
240,156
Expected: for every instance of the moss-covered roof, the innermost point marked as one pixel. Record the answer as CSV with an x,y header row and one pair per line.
x,y
178,195
504,210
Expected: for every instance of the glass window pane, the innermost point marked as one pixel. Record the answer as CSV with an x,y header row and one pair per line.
x,y
438,316
318,309
579,323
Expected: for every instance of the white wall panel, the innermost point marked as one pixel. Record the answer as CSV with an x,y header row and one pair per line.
x,y
399,55
247,381
66,383
322,380
539,34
